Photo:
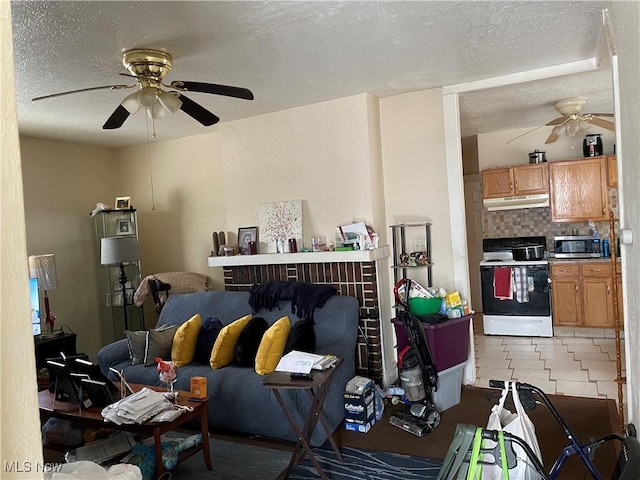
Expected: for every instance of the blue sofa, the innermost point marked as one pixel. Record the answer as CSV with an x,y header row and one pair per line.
x,y
237,399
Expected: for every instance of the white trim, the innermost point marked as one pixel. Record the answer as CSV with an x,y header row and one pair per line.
x,y
521,77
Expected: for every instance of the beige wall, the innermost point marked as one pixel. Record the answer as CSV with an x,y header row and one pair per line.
x,y
493,150
318,153
20,425
62,183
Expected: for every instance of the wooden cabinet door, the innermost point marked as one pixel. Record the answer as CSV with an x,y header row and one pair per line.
x,y
612,171
578,190
497,182
566,302
531,179
597,302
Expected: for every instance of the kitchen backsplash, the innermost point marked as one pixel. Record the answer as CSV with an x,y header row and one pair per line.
x,y
529,222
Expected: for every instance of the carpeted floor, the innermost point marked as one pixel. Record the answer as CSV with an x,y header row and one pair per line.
x,y
588,417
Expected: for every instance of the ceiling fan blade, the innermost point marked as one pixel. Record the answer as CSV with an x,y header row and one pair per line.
x,y
237,92
111,87
117,118
197,111
601,114
551,138
557,121
603,123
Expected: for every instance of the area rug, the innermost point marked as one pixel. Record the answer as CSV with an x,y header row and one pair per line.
x,y
367,465
234,461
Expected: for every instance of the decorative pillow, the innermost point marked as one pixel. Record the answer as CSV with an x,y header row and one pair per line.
x,y
159,344
272,346
183,347
137,343
206,338
222,353
249,341
302,337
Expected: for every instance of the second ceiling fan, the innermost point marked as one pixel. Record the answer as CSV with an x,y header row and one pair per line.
x,y
150,67
572,120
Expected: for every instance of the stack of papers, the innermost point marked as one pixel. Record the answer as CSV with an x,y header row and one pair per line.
x,y
137,407
303,362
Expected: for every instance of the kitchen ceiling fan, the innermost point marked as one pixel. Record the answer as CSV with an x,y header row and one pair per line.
x,y
150,67
572,120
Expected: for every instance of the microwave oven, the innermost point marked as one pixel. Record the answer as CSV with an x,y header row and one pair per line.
x,y
576,247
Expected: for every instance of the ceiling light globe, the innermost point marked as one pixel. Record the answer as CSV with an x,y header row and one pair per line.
x,y
147,97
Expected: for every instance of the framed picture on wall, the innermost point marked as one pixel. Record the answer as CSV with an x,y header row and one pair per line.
x,y
247,237
123,203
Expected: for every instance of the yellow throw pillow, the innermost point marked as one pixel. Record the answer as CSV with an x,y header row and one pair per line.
x,y
272,346
223,350
183,347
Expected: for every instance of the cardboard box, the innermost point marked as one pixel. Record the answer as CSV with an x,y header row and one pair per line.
x,y
361,428
198,387
359,408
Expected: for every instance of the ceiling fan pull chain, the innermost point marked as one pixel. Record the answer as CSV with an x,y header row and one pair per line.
x,y
153,196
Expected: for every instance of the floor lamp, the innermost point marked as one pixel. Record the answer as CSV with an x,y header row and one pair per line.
x,y
117,251
43,267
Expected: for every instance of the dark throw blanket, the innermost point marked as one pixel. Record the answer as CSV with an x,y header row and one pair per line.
x,y
304,297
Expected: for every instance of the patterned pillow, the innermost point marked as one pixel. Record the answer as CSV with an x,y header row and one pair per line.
x,y
137,343
159,344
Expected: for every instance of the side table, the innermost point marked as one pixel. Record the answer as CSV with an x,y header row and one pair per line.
x,y
317,389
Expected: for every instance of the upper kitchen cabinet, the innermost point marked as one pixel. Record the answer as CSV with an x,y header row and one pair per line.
x,y
612,171
513,181
579,190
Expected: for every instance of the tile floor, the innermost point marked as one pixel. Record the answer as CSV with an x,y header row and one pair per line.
x,y
576,361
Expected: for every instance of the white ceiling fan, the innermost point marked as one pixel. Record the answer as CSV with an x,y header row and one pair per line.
x,y
572,121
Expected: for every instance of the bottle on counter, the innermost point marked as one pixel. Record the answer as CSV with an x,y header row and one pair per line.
x,y
605,248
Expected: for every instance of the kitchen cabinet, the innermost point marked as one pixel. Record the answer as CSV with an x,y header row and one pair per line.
x,y
513,181
578,190
612,171
583,294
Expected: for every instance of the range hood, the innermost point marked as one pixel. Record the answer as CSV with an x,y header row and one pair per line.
x,y
512,203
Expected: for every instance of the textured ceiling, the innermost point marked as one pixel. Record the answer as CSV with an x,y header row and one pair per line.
x,y
297,53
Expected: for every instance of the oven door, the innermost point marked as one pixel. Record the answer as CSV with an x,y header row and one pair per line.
x,y
539,295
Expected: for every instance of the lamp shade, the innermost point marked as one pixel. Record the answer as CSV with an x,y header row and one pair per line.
x,y
43,267
116,250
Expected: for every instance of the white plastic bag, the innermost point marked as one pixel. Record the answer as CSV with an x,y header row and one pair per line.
x,y
518,424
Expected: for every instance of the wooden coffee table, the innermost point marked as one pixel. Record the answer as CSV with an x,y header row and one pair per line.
x,y
93,416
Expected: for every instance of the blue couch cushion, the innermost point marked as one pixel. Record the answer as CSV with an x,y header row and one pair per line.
x,y
206,338
249,341
302,337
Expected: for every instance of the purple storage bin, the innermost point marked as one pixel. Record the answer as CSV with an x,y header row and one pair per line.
x,y
448,340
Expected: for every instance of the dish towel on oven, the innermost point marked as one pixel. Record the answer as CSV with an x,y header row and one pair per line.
x,y
503,283
521,284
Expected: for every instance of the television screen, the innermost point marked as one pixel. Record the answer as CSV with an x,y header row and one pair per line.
x,y
34,299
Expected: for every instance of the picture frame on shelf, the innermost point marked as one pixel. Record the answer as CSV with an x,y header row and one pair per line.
x,y
123,203
245,236
124,227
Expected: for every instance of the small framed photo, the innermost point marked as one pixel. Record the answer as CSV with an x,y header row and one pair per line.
x,y
123,227
248,240
123,203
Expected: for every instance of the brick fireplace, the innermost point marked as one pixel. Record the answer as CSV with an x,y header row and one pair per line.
x,y
351,273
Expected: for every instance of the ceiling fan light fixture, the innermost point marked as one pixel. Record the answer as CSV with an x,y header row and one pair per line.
x,y
131,103
559,130
147,97
156,111
169,101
